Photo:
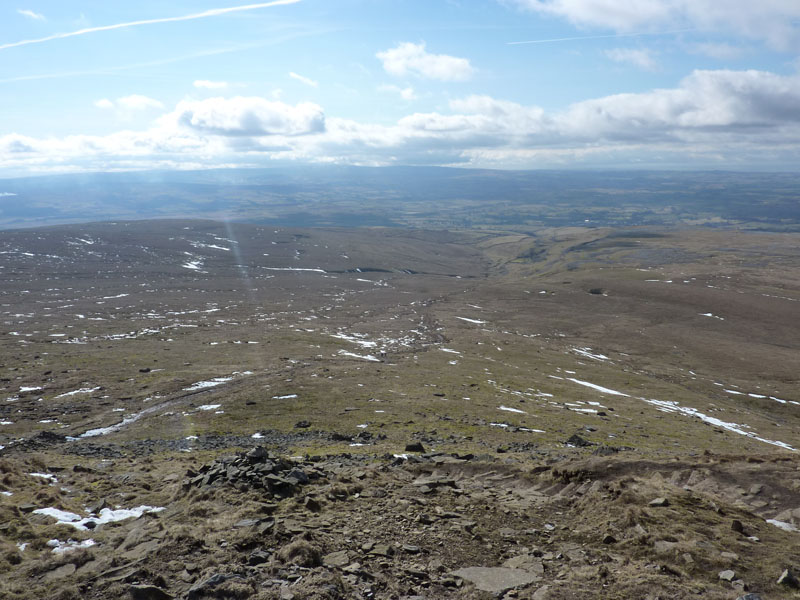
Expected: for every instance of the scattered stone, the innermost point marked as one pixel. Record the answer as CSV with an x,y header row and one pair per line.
x,y
664,547
433,481
302,424
526,562
737,526
312,504
382,550
609,539
578,442
257,469
257,557
732,556
658,502
148,592
205,587
415,447
788,579
496,580
338,559
543,593
727,575
246,523
750,597
411,549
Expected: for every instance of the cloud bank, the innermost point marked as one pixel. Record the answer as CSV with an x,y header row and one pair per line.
x,y
712,119
775,22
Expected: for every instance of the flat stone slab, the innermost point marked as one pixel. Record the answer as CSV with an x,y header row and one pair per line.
x,y
60,573
336,559
496,579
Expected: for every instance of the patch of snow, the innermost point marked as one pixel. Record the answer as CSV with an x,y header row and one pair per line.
x,y
783,525
80,391
514,410
599,388
209,406
674,407
211,246
713,316
60,547
47,476
200,385
589,353
29,389
61,516
286,397
194,265
295,269
106,515
475,321
355,339
363,357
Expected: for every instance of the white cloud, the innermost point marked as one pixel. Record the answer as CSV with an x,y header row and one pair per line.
x,y
712,119
776,22
247,117
406,93
31,15
302,79
637,57
210,85
409,58
138,102
104,103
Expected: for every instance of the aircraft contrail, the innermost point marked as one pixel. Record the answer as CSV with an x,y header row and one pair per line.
x,y
598,37
201,15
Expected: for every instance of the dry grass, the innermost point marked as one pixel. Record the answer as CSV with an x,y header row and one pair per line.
x,y
301,551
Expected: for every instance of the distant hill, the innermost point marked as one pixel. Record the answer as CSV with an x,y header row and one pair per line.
x,y
409,196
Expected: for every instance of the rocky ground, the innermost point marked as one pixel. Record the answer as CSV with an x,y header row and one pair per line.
x,y
256,524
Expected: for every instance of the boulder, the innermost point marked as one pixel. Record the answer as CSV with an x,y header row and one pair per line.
x,y
148,592
496,580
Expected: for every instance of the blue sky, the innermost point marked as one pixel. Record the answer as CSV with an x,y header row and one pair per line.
x,y
95,86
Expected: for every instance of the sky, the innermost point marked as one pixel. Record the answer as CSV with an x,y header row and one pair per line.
x,y
503,84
